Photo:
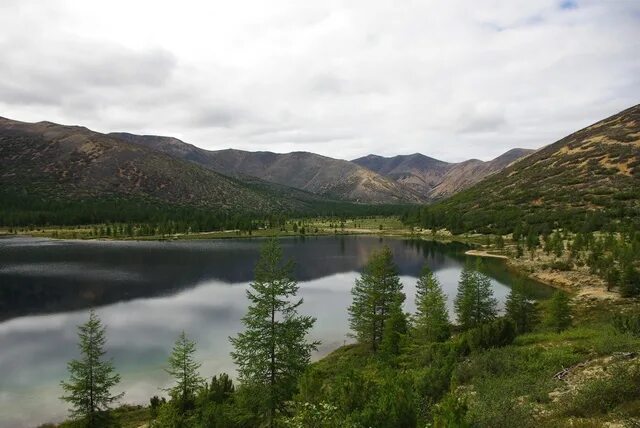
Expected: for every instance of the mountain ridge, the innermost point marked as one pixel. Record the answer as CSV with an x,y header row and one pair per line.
x,y
435,178
318,174
55,161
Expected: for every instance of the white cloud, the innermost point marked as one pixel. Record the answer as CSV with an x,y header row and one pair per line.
x,y
453,80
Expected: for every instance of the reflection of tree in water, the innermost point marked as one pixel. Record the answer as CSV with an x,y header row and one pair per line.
x,y
30,282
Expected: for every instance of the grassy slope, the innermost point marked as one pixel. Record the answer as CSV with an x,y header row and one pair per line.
x,y
515,385
595,170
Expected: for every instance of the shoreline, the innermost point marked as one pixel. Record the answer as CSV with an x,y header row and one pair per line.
x,y
578,283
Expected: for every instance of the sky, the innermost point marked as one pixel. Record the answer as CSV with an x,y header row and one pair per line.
x,y
453,79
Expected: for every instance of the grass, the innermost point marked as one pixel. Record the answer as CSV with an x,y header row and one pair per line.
x,y
320,226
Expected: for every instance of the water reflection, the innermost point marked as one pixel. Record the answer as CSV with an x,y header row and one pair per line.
x,y
147,292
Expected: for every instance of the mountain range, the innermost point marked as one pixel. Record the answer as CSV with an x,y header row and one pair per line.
x,y
371,179
592,168
434,178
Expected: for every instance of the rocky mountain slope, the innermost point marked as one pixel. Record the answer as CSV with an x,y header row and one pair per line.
x,y
465,174
436,179
417,171
321,175
591,178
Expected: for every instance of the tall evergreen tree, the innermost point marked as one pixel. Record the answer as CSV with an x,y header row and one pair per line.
x,y
521,310
184,369
559,313
272,351
431,322
374,293
91,379
474,302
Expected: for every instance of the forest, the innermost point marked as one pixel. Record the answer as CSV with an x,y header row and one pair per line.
x,y
20,209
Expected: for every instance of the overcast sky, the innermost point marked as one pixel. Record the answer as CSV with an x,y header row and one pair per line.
x,y
450,79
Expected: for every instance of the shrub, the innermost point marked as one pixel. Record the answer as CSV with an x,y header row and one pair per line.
x,y
601,396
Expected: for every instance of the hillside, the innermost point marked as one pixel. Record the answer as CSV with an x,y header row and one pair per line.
x,y
321,175
465,174
417,171
588,179
436,179
43,162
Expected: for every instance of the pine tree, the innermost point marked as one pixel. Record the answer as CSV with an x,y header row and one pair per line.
x,y
431,322
474,302
91,377
559,314
273,351
373,294
184,369
521,310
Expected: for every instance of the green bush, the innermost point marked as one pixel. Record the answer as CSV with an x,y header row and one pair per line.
x,y
601,396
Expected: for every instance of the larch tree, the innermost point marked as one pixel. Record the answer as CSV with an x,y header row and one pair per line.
x,y
395,329
184,369
559,312
521,310
431,321
374,294
474,302
273,350
91,377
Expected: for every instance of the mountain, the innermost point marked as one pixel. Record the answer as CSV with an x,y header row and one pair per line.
x,y
48,161
321,175
463,175
417,171
436,179
586,180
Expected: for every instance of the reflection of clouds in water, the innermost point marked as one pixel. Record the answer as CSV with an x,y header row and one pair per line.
x,y
179,292
77,271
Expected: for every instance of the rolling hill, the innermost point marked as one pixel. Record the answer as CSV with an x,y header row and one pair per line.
x,y
321,175
589,179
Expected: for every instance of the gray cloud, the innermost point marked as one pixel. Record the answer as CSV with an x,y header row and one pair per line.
x,y
453,80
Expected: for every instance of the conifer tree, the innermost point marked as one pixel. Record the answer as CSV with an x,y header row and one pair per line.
x,y
629,281
474,302
559,314
395,329
374,293
184,369
272,351
431,322
91,379
521,310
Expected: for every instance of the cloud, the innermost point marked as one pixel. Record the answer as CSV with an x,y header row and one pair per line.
x,y
453,80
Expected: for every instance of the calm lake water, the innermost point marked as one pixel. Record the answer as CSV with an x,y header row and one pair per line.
x,y
148,292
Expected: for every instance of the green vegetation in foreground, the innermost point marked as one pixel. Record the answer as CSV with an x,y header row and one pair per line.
x,y
547,364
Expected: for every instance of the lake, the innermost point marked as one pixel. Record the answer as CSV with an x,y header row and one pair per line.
x,y
148,292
